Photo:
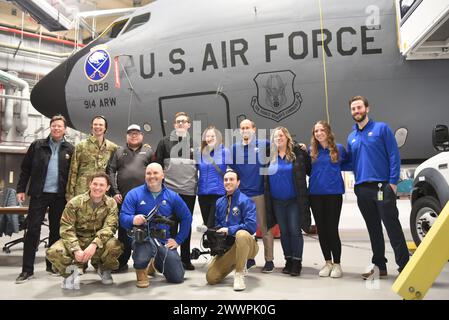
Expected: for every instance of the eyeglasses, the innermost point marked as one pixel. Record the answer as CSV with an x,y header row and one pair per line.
x,y
181,121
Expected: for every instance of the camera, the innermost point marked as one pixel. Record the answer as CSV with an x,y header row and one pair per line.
x,y
140,233
218,244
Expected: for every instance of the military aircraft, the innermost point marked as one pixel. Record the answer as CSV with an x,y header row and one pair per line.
x,y
283,62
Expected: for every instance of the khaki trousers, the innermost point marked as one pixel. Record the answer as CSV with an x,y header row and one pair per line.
x,y
267,236
244,248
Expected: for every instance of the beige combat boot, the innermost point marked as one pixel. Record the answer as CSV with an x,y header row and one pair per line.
x,y
142,278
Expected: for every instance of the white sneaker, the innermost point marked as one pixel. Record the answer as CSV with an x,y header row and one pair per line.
x,y
72,282
326,270
239,281
67,283
106,277
336,272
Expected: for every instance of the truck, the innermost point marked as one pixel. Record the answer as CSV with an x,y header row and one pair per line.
x,y
430,191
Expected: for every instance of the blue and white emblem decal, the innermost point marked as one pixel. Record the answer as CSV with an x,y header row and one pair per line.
x,y
97,65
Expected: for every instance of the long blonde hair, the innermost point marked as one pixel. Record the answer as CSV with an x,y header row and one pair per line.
x,y
333,150
274,149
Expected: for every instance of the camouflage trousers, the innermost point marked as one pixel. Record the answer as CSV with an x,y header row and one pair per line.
x,y
105,258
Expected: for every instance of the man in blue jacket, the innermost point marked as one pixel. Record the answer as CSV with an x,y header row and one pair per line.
x,y
235,215
249,157
137,204
374,153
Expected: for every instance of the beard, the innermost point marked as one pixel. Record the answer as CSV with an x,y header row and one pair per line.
x,y
361,119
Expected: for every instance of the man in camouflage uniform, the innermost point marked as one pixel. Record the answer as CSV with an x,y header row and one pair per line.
x,y
88,225
91,156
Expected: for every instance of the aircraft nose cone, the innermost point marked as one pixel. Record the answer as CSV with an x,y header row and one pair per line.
x,y
48,95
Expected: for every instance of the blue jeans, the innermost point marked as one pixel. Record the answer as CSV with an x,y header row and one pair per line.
x,y
167,261
288,217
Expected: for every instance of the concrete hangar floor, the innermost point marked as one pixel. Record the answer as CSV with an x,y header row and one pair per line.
x,y
356,255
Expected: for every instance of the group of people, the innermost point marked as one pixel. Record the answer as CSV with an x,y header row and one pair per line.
x,y
96,188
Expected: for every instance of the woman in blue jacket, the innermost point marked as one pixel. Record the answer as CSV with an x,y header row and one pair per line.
x,y
211,163
326,188
286,195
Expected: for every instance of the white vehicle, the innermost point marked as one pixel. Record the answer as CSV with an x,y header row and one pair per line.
x,y
430,191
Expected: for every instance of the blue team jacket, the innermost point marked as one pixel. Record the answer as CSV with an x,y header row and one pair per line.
x,y
242,215
325,177
140,201
247,162
210,181
374,153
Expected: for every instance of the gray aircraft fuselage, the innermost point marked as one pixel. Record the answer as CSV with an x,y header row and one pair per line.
x,y
225,60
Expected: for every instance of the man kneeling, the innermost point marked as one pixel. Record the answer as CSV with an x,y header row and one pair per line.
x,y
88,225
235,215
155,250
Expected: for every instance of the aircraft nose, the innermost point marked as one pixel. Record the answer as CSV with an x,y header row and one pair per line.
x,y
48,95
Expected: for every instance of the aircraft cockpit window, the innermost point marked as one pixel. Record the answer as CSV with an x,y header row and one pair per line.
x,y
137,21
114,29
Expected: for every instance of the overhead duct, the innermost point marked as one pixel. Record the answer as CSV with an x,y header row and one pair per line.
x,y
12,79
45,14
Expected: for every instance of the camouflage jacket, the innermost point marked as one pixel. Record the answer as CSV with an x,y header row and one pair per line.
x,y
88,158
81,222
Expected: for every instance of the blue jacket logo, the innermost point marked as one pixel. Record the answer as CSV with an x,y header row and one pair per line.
x,y
97,65
235,211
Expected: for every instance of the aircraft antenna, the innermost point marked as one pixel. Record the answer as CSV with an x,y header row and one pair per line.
x,y
131,89
324,62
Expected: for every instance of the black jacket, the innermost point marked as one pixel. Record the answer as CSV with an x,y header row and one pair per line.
x,y
301,168
126,168
35,164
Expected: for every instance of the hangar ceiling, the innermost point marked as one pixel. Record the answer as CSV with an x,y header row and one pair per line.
x,y
11,14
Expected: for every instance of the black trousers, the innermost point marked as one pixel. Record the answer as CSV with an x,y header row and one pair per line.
x,y
374,212
207,205
185,246
36,213
326,212
125,240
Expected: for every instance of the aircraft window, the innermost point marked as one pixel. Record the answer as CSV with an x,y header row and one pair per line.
x,y
137,21
114,29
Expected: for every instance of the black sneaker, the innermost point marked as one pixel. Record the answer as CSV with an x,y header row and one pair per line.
x,y
188,266
24,276
121,269
268,267
51,271
250,263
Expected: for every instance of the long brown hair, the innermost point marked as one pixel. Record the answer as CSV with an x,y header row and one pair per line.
x,y
333,150
274,149
218,138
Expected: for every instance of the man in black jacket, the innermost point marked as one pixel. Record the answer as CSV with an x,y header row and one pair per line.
x,y
126,171
175,154
46,166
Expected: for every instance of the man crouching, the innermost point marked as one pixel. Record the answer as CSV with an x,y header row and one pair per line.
x,y
155,243
88,225
235,215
